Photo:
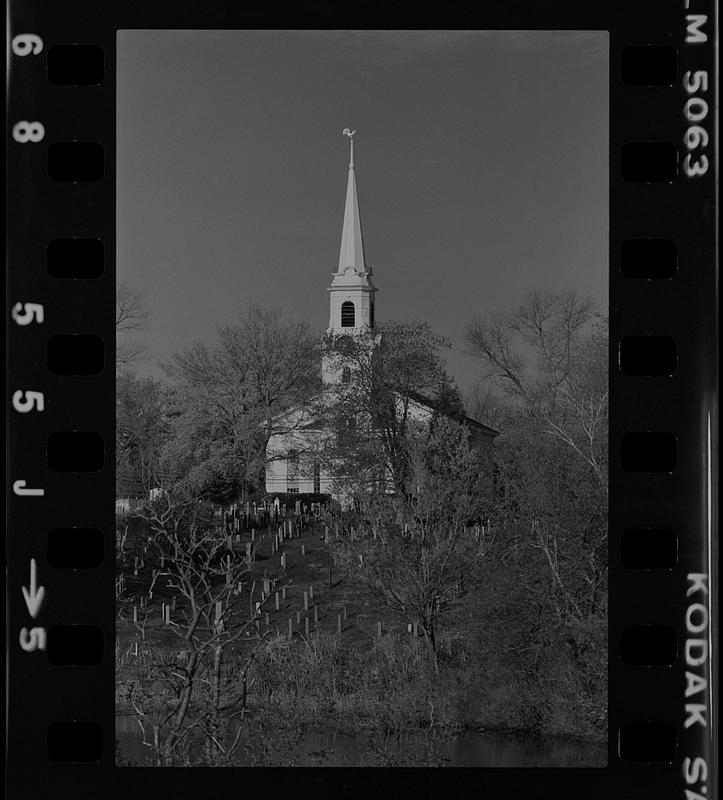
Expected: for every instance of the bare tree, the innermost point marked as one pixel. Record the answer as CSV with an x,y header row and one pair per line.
x,y
415,551
385,376
227,397
131,318
487,405
215,615
550,358
142,428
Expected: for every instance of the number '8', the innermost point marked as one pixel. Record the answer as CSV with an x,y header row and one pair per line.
x,y
25,131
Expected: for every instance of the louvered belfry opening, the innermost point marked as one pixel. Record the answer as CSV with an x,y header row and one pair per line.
x,y
347,314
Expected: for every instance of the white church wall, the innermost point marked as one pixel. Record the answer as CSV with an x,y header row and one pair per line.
x,y
282,474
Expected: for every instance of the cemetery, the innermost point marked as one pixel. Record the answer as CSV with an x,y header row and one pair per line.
x,y
297,642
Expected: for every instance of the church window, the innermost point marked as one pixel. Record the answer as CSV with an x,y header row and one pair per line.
x,y
346,374
347,314
292,471
317,478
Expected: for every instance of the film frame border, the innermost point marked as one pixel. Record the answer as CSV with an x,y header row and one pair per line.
x,y
682,306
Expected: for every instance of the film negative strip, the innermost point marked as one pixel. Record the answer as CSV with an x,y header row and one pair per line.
x,y
69,70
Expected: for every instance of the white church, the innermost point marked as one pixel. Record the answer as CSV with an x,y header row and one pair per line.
x,y
291,467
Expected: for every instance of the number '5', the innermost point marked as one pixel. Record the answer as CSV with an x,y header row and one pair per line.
x,y
30,402
25,313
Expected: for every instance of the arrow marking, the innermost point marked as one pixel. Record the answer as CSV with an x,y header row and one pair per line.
x,y
34,597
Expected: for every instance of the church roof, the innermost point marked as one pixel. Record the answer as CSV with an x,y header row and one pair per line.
x,y
432,406
313,423
352,247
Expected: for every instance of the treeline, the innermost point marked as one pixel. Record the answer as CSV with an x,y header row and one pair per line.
x,y
543,595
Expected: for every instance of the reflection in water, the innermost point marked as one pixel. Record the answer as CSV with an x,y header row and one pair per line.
x,y
468,749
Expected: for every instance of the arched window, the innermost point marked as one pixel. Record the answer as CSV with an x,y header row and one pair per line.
x,y
347,314
371,313
346,375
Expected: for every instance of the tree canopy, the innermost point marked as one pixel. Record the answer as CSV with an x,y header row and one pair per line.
x,y
391,373
226,397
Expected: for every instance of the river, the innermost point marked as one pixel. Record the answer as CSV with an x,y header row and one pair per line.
x,y
466,749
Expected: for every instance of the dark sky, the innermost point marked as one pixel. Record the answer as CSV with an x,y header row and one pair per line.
x,y
481,163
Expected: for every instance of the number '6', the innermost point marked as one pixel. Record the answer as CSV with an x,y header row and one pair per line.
x,y
26,43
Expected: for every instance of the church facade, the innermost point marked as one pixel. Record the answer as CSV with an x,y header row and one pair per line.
x,y
291,466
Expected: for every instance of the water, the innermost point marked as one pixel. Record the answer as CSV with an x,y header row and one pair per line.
x,y
467,749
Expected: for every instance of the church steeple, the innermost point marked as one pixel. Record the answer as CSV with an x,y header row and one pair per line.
x,y
351,294
352,246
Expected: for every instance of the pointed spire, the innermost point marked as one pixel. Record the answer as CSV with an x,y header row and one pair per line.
x,y
352,248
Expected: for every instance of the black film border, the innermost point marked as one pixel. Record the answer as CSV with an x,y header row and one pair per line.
x,y
54,708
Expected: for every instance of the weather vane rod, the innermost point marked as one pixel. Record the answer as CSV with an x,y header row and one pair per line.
x,y
350,134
